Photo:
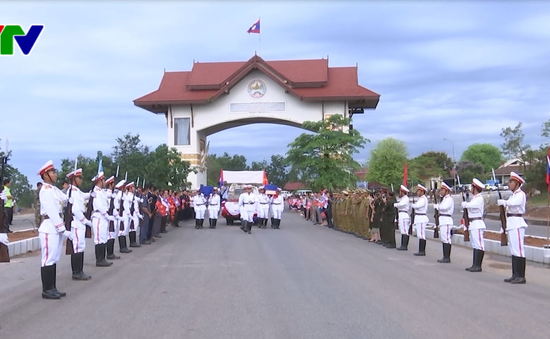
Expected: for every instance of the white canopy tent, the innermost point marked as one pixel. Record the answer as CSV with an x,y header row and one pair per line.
x,y
243,177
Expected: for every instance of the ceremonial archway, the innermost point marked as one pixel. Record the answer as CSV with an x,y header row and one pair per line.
x,y
213,97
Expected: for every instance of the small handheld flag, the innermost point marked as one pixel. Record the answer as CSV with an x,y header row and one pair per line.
x,y
100,165
255,28
221,178
548,170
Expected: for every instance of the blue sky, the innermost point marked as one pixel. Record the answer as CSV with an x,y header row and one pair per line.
x,y
458,70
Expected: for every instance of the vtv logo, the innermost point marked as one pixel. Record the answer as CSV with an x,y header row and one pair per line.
x,y
25,41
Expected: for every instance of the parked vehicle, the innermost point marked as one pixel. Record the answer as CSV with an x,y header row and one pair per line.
x,y
230,209
285,194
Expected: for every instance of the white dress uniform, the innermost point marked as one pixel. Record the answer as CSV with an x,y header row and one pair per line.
x,y
78,225
403,214
421,216
136,218
263,206
515,224
199,203
515,228
52,228
111,196
100,217
213,206
122,220
277,206
477,226
446,209
248,203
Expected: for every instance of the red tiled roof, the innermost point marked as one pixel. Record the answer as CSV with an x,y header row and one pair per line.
x,y
310,80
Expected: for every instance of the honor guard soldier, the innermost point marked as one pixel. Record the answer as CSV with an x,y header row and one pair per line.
x,y
51,230
213,208
134,215
100,220
515,227
263,208
112,211
199,203
277,207
122,225
446,209
421,218
78,224
476,228
403,216
247,201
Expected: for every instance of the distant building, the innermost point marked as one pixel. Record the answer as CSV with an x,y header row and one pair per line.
x,y
513,165
293,186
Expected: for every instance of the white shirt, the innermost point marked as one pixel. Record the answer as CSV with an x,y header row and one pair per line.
x,y
51,204
78,199
516,205
475,207
277,203
199,202
403,207
248,201
421,207
446,210
214,202
263,199
101,203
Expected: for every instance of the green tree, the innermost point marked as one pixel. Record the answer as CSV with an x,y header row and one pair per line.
x,y
21,190
215,163
89,168
428,165
467,170
277,171
386,162
258,165
545,129
487,155
166,169
131,156
513,145
325,158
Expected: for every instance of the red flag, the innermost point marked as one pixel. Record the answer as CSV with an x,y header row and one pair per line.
x,y
405,175
265,179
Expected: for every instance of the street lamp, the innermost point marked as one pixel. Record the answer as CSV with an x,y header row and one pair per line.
x,y
454,164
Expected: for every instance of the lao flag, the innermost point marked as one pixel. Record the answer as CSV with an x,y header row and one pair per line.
x,y
221,178
255,28
548,170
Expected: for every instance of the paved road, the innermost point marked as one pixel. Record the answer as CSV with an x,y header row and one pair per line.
x,y
302,281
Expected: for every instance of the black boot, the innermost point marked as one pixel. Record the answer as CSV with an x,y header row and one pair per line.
x,y
197,223
404,243
209,223
446,254
520,279
514,270
123,245
265,222
421,248
100,256
478,259
277,223
47,283
214,222
54,277
249,227
272,222
133,239
82,275
75,265
474,260
111,250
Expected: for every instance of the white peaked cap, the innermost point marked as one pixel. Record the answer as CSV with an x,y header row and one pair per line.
x,y
120,183
477,183
46,167
445,186
422,188
98,176
404,189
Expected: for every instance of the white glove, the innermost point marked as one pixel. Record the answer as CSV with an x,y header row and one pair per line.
x,y
501,202
501,230
436,206
119,218
88,222
111,218
68,235
4,195
4,239
140,216
463,204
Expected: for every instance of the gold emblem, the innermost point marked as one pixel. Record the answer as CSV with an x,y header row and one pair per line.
x,y
257,88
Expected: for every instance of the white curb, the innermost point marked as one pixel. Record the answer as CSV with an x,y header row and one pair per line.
x,y
23,246
536,254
